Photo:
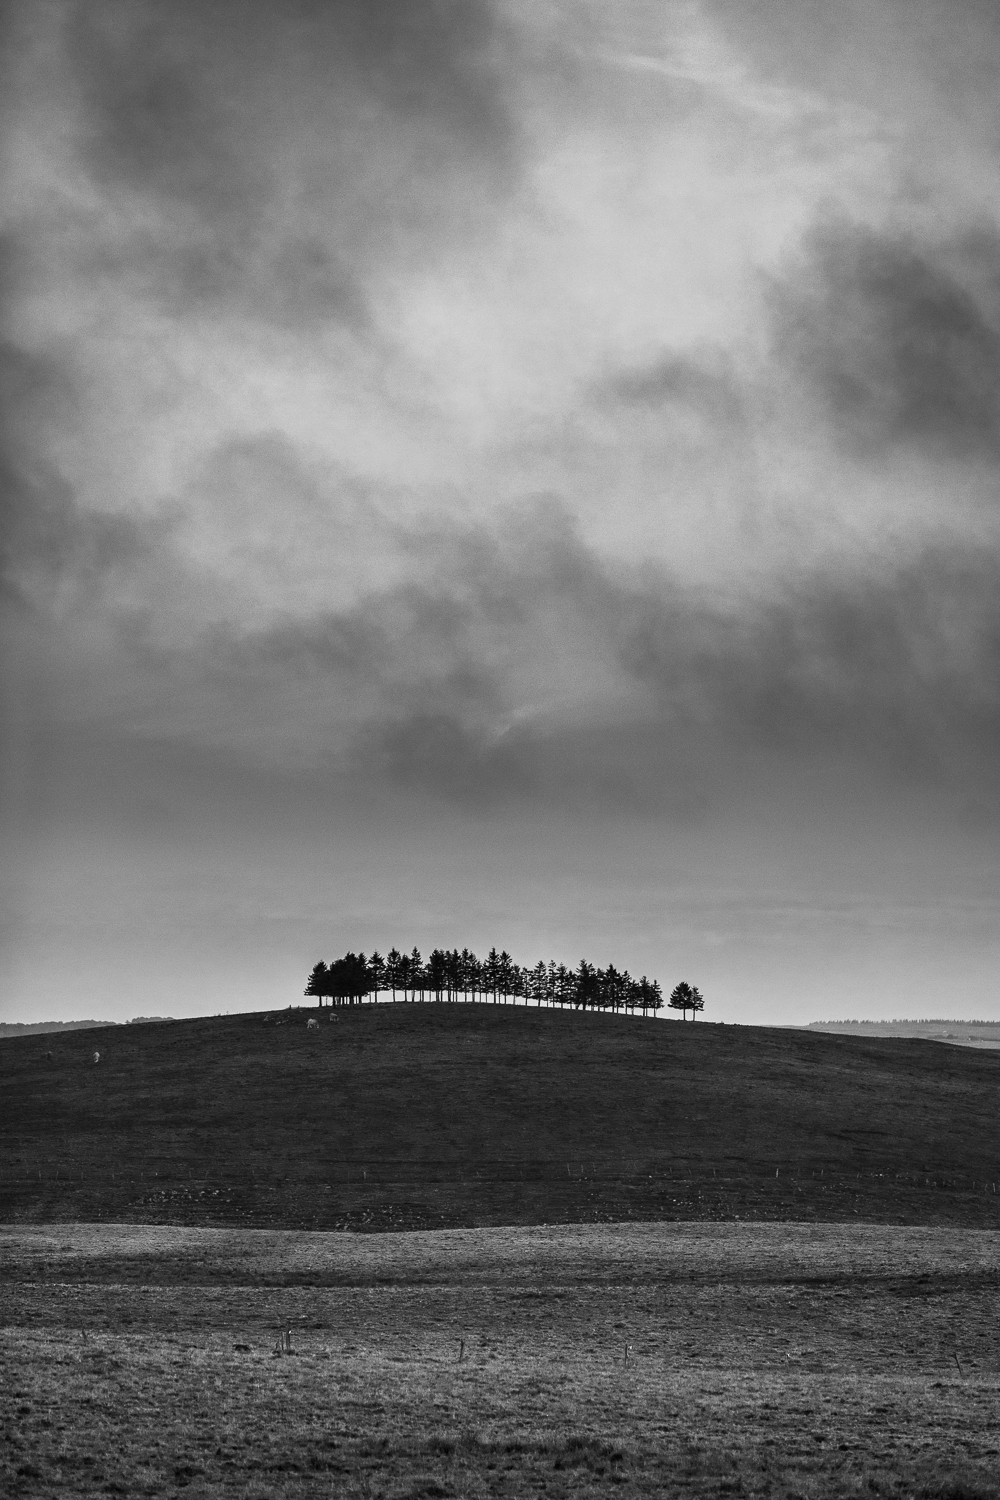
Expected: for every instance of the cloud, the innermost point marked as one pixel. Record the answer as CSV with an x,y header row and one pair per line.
x,y
313,551
36,507
677,380
509,665
903,349
271,158
896,667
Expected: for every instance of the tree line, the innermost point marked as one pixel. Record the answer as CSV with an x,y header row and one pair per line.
x,y
461,976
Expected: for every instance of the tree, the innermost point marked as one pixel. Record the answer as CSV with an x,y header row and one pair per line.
x,y
404,975
393,960
628,991
451,974
349,978
539,982
697,1002
317,982
585,984
491,973
437,971
614,987
468,972
376,968
680,998
647,995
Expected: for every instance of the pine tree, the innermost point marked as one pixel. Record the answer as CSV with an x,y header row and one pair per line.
x,y
680,998
316,983
376,968
437,972
539,983
586,984
469,972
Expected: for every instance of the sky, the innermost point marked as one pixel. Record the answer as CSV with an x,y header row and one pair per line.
x,y
516,472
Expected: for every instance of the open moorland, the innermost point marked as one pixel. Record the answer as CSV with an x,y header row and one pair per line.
x,y
432,1116
648,1257
762,1360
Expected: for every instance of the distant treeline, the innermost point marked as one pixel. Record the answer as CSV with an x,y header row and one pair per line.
x,y
452,976
39,1028
27,1028
830,1025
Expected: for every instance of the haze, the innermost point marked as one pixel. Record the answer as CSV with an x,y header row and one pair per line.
x,y
518,473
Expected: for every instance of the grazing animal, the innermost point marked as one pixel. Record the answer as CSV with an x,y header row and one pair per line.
x,y
312,1024
97,1057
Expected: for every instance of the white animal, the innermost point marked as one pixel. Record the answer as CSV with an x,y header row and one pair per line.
x,y
97,1057
312,1024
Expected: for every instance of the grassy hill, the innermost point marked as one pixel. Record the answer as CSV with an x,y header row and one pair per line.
x,y
400,1116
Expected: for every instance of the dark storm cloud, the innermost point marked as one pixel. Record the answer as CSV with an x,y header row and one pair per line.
x,y
901,339
36,509
46,541
899,667
528,670
289,145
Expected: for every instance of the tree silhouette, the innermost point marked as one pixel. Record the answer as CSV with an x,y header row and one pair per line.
x,y
468,972
376,968
317,981
585,988
437,972
697,1002
539,982
450,974
680,998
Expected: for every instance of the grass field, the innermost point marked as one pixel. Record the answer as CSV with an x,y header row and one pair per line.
x,y
767,1360
421,1116
794,1237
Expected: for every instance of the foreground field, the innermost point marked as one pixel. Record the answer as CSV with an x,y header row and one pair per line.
x,y
434,1116
778,1361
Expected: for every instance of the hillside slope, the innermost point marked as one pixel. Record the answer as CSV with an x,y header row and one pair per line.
x,y
429,1115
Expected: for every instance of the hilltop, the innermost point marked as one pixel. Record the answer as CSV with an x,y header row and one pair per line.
x,y
403,1116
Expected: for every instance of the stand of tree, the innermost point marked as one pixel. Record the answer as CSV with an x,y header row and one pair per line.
x,y
454,976
686,997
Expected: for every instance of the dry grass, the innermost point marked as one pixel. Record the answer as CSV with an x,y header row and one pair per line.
x,y
774,1361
